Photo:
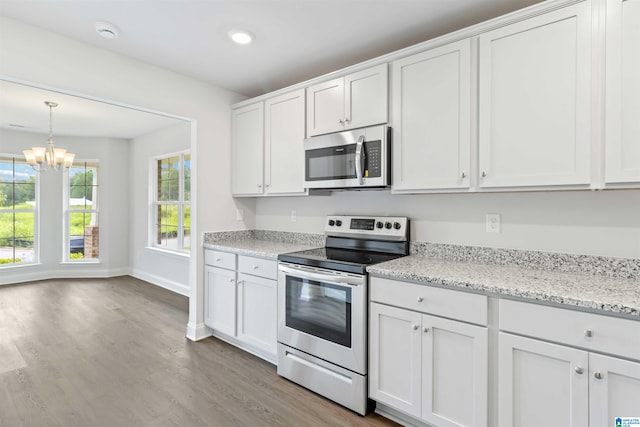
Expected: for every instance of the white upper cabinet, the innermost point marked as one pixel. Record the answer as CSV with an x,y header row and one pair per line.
x,y
535,101
354,101
622,111
431,119
268,147
247,142
284,148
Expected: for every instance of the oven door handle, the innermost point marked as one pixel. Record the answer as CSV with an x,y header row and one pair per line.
x,y
329,278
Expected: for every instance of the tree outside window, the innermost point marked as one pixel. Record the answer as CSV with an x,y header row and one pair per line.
x,y
81,208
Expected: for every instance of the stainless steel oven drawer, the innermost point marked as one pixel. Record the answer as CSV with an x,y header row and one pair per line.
x,y
338,384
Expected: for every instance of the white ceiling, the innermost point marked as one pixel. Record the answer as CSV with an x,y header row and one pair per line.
x,y
22,108
295,39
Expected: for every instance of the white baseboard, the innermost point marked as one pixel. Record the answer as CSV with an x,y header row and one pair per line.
x,y
197,332
34,273
171,285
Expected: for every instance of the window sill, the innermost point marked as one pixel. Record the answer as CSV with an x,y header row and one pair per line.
x,y
19,265
83,262
177,254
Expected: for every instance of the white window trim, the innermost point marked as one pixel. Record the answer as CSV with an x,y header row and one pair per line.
x,y
153,205
36,222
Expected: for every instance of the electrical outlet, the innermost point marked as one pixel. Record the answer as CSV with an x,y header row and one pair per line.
x,y
294,216
239,214
493,223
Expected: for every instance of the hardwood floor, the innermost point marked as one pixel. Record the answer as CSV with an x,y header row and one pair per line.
x,y
112,352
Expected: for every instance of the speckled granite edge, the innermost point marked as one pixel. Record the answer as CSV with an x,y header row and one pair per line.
x,y
624,268
309,239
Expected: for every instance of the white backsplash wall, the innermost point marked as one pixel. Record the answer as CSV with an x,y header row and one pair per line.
x,y
605,223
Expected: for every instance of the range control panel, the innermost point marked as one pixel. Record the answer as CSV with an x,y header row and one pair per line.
x,y
368,227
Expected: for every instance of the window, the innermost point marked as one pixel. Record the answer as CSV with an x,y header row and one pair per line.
x,y
81,213
18,212
171,208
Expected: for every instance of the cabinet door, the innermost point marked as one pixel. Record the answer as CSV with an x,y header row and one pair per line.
x,y
220,300
366,97
623,92
284,148
431,119
454,373
394,358
247,141
614,389
257,312
325,107
541,384
535,101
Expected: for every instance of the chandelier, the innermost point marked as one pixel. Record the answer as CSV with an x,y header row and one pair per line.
x,y
41,158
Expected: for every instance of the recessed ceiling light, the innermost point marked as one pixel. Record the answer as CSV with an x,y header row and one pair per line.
x,y
106,30
241,36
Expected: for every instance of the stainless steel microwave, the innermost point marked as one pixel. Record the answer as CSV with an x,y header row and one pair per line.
x,y
355,159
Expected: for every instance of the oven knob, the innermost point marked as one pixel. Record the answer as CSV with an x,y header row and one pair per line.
x,y
387,225
379,224
338,222
396,225
331,223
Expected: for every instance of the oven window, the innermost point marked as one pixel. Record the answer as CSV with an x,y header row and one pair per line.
x,y
319,309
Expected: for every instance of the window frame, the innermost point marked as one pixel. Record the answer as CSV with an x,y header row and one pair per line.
x,y
36,214
66,211
181,203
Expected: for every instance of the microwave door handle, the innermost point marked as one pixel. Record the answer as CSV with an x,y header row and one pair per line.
x,y
360,159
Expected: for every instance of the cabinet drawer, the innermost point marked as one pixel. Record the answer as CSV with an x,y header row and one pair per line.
x,y
220,259
463,306
587,330
258,267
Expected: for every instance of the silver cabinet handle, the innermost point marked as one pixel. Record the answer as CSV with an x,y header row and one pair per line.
x,y
484,174
255,267
463,175
359,159
341,121
420,299
259,185
231,280
218,259
415,327
598,375
588,333
426,330
578,370
346,119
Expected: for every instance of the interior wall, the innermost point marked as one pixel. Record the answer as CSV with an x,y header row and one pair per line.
x,y
604,223
164,268
112,155
81,68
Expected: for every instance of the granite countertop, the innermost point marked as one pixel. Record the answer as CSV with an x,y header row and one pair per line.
x,y
608,295
263,244
257,248
600,284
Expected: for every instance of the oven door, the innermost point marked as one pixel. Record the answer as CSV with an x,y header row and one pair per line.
x,y
323,313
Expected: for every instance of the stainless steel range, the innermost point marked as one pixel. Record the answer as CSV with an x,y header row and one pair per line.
x,y
322,306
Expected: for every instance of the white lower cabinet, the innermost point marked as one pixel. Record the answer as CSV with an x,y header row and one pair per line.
x,y
220,299
550,384
257,312
431,368
241,302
